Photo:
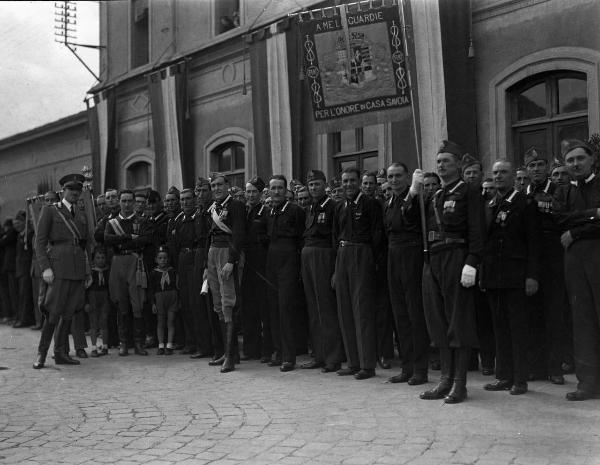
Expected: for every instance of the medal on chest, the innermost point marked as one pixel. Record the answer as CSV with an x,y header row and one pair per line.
x,y
321,218
501,218
449,206
544,207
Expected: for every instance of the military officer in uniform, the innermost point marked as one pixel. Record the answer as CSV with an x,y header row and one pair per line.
x,y
285,229
552,290
258,341
318,266
357,232
225,261
128,236
404,276
60,249
454,231
509,273
183,244
578,208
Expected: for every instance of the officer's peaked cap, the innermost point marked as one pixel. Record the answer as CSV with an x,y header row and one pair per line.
x,y
72,181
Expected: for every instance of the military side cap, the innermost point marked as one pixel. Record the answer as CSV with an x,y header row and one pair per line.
x,y
451,147
573,144
382,173
469,160
173,190
202,182
257,182
72,181
315,175
532,155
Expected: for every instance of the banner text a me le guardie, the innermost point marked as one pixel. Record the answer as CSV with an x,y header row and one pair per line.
x,y
355,68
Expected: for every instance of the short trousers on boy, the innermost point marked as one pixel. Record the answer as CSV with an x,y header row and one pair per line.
x,y
166,302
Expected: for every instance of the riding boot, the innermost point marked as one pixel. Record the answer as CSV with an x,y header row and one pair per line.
x,y
44,345
221,359
446,376
139,336
228,363
458,393
61,354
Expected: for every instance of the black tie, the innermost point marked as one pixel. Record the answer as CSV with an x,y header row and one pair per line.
x,y
72,212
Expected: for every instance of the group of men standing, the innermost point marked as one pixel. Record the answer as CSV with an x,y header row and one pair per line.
x,y
462,264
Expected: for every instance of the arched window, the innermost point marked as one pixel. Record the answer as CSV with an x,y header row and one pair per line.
x,y
546,109
139,175
230,159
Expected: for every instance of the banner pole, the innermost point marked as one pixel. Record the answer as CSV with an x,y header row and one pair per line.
x,y
416,135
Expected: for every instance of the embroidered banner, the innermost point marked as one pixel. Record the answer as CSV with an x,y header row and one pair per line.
x,y
355,65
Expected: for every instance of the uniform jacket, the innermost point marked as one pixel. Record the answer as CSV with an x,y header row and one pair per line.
x,y
457,209
24,254
101,226
402,220
286,222
576,208
543,197
359,220
256,226
512,247
233,214
55,246
8,242
319,223
156,228
158,283
133,225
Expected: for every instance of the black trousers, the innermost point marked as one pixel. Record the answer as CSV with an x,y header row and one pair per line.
x,y
384,319
284,291
582,273
485,329
355,290
256,324
405,268
201,311
449,307
318,264
25,308
189,296
509,313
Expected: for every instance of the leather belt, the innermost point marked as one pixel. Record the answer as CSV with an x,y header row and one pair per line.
x,y
447,241
352,244
124,252
433,236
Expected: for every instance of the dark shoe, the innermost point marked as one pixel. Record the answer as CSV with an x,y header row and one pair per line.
x,y
81,353
330,368
487,371
579,395
384,363
61,358
94,354
364,374
347,371
518,389
150,343
458,393
36,328
217,361
187,351
103,351
435,365
18,324
139,350
160,351
417,379
438,392
40,361
557,379
274,363
265,359
403,377
498,385
311,365
199,354
123,352
168,351
287,366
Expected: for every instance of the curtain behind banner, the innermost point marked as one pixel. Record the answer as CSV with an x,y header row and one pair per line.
x,y
171,127
102,131
260,104
279,103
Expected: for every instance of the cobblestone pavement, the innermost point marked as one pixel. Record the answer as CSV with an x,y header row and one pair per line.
x,y
173,410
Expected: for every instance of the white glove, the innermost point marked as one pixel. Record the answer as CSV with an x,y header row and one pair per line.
x,y
48,276
417,182
467,278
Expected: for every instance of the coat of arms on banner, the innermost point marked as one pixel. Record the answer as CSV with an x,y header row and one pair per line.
x,y
355,63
